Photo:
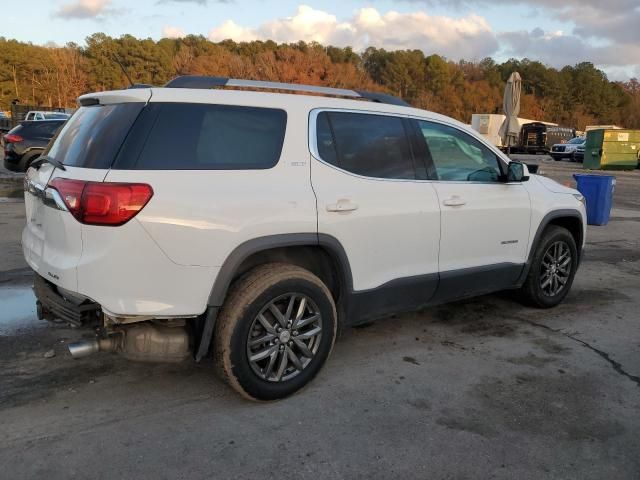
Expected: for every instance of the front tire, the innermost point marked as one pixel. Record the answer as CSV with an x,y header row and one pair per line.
x,y
275,331
552,269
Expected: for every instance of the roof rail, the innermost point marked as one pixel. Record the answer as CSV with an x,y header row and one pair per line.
x,y
139,85
205,82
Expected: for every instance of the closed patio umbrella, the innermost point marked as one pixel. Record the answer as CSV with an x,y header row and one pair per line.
x,y
510,128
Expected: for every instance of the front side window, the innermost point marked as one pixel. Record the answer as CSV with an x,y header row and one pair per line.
x,y
365,144
458,156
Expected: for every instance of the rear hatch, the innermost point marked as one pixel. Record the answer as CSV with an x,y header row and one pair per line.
x,y
86,147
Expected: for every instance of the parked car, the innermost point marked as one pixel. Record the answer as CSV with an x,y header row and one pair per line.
x,y
578,156
26,142
36,116
569,149
257,224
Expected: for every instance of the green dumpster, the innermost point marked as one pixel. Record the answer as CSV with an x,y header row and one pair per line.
x,y
612,149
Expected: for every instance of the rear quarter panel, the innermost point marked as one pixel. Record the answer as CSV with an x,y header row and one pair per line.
x,y
198,217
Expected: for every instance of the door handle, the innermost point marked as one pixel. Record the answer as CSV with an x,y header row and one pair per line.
x,y
342,206
454,201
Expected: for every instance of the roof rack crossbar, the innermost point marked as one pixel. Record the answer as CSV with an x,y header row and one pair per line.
x,y
205,82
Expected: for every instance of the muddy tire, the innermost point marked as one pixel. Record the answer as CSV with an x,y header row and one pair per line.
x,y
275,331
552,269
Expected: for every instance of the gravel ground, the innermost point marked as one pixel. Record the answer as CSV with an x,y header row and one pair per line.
x,y
483,388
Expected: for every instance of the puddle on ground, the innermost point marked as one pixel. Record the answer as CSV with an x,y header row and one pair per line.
x,y
18,310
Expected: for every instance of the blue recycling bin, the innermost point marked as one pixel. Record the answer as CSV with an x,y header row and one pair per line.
x,y
598,192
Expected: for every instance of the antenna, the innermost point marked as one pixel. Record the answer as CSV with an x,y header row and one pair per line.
x,y
115,57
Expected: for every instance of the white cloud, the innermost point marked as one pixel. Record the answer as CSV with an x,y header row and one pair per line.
x,y
85,9
558,49
309,25
172,32
613,20
232,30
596,32
466,37
197,2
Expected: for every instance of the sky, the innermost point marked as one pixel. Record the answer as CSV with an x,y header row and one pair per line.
x,y
555,32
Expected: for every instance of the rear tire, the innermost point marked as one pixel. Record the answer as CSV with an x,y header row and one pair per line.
x,y
26,162
275,331
552,269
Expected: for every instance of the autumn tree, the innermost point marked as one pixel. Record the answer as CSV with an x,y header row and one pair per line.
x,y
575,95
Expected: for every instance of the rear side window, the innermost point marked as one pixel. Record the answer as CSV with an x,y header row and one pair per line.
x,y
184,136
93,135
43,129
37,129
365,144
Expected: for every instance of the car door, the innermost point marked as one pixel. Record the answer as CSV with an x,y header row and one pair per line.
x,y
373,199
485,221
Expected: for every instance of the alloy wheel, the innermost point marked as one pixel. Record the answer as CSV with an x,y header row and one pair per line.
x,y
556,268
284,337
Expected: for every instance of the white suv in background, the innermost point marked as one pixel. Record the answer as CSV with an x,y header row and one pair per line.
x,y
257,224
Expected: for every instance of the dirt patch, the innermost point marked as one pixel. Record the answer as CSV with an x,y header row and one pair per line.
x,y
471,421
420,403
531,360
24,385
482,317
551,347
613,254
592,297
560,405
411,360
493,328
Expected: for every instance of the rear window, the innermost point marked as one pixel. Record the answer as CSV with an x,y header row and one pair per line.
x,y
92,137
187,136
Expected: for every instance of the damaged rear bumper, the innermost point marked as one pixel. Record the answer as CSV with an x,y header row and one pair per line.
x,y
52,305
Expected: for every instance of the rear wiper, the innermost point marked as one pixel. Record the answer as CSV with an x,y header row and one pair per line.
x,y
46,158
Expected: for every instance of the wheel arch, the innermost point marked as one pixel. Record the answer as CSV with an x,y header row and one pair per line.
x,y
568,218
321,254
28,157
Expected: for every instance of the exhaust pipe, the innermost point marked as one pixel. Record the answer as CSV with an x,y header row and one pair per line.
x,y
84,348
143,342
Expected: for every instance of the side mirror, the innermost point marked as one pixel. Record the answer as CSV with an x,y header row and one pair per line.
x,y
517,172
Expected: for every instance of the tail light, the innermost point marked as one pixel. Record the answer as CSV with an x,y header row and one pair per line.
x,y
12,138
102,203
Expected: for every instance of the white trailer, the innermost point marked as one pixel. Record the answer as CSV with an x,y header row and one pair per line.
x,y
488,125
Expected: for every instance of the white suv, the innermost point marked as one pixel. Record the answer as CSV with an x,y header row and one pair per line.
x,y
186,217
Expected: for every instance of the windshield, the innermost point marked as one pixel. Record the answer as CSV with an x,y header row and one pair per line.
x,y
93,135
577,140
